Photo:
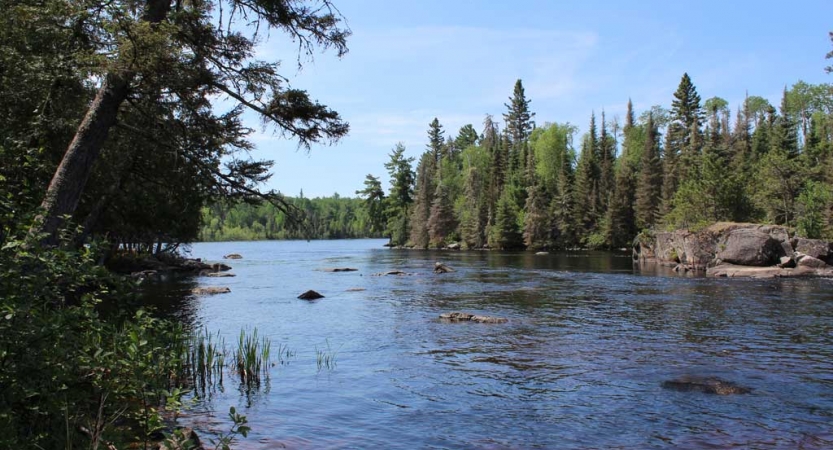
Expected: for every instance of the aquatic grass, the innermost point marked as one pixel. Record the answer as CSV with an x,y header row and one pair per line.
x,y
252,358
284,354
205,360
325,359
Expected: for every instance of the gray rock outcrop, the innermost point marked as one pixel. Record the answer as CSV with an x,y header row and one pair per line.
x,y
736,250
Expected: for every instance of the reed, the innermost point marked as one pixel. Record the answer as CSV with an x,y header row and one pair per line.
x,y
325,359
252,357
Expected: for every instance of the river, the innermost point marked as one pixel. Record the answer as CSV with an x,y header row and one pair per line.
x,y
579,365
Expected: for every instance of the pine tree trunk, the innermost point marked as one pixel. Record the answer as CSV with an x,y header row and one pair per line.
x,y
71,177
72,174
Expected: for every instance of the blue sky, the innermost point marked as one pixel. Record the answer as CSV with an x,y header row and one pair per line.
x,y
458,60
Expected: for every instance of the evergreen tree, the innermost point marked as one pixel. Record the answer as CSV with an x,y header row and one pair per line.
x,y
441,223
466,137
436,141
607,162
401,195
649,185
423,199
585,191
519,125
505,233
374,203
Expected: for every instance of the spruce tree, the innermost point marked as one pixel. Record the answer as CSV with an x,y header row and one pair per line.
x,y
649,185
423,199
441,222
436,141
505,233
401,195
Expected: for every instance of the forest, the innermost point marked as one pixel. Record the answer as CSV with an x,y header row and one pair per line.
x,y
525,185
333,217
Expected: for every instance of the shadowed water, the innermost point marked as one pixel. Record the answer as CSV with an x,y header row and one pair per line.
x,y
579,364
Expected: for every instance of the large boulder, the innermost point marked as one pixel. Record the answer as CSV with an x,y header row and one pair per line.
x,y
749,247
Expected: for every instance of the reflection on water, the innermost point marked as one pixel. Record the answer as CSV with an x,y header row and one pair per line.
x,y
579,365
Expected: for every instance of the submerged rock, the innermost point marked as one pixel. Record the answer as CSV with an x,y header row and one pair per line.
x,y
355,290
340,269
207,273
390,272
706,385
310,295
442,268
233,256
210,290
468,317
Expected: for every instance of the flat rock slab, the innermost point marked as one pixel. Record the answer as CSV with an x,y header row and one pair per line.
x,y
310,295
391,272
706,385
468,317
355,290
766,272
219,274
233,256
210,290
339,269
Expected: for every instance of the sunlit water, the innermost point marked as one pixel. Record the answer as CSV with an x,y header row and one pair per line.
x,y
579,364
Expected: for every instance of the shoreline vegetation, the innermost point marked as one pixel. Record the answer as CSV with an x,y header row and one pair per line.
x,y
110,143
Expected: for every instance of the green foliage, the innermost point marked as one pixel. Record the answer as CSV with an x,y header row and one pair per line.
x,y
814,210
324,218
67,368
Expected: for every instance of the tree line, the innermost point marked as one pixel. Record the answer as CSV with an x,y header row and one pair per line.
x,y
333,217
539,187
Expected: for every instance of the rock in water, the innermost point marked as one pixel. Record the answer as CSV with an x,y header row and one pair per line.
x,y
310,295
442,268
707,385
340,269
219,274
468,317
233,256
210,290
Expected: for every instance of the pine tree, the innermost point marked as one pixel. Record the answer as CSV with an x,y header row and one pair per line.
x,y
466,137
686,119
585,190
607,162
650,181
519,125
374,203
505,233
401,195
441,222
436,141
424,196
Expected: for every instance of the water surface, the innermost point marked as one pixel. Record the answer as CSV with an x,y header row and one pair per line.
x,y
579,364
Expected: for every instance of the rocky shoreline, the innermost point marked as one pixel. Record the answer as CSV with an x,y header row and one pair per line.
x,y
736,250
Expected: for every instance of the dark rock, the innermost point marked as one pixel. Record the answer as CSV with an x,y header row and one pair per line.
x,y
707,385
310,295
233,256
467,317
210,290
442,268
356,289
220,267
340,269
749,247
